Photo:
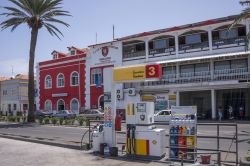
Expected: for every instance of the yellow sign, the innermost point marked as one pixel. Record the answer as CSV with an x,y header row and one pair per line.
x,y
148,98
172,97
129,73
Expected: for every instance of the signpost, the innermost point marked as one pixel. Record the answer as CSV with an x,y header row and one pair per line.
x,y
137,73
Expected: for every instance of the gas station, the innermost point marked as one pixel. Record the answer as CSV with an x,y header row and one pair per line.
x,y
143,138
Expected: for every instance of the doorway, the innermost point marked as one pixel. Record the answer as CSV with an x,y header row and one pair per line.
x,y
60,105
101,102
234,98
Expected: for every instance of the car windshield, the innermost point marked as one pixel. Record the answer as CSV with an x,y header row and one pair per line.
x,y
164,112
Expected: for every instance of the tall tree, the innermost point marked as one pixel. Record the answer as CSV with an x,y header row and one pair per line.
x,y
36,14
243,15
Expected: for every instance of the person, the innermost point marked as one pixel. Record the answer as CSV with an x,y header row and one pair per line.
x,y
220,113
230,111
241,111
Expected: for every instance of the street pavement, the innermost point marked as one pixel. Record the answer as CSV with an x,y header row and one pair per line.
x,y
72,135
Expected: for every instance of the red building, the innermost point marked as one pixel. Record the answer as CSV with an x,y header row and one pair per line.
x,y
61,81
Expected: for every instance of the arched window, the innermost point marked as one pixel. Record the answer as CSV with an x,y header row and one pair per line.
x,y
60,80
48,82
74,79
60,105
48,105
74,105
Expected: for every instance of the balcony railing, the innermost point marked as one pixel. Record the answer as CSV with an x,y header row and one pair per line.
x,y
134,55
194,47
242,74
170,50
239,41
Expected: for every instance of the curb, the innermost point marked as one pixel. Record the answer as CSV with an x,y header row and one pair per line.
x,y
28,139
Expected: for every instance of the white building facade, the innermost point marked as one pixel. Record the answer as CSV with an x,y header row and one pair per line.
x,y
203,64
14,95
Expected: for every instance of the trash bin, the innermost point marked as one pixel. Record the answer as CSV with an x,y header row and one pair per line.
x,y
113,151
205,159
102,146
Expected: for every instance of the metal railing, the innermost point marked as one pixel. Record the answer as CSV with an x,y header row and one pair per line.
x,y
133,55
162,50
242,74
217,138
223,42
202,46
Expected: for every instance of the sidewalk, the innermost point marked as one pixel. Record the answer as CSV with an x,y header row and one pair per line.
x,y
19,153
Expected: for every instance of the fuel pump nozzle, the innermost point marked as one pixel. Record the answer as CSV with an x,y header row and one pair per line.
x,y
133,139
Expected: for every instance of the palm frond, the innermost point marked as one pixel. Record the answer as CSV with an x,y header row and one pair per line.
x,y
24,5
49,5
53,30
36,13
247,41
243,15
14,12
13,23
54,13
57,21
243,3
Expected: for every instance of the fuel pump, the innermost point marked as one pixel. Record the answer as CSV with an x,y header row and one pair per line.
x,y
143,138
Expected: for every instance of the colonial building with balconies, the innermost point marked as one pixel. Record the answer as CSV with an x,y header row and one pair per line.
x,y
204,64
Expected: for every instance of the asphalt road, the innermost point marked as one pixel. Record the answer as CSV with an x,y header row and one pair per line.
x,y
74,134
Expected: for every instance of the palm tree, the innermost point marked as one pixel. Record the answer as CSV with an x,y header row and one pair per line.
x,y
36,14
243,15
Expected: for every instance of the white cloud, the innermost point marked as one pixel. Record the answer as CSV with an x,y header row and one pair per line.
x,y
20,66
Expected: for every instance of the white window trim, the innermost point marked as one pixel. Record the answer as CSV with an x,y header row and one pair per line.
x,y
50,104
45,85
71,103
74,52
71,78
95,71
58,81
58,102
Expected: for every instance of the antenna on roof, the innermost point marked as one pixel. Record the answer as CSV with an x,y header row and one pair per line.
x,y
96,38
12,70
113,32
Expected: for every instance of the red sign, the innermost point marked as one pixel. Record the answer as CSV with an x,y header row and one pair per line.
x,y
153,71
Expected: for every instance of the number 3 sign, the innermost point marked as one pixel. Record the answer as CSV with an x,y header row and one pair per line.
x,y
153,71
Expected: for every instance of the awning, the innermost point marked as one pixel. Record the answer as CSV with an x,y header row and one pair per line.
x,y
204,57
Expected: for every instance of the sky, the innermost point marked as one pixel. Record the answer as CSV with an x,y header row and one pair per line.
x,y
98,16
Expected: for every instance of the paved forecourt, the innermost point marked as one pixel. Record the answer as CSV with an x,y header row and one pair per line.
x,y
20,153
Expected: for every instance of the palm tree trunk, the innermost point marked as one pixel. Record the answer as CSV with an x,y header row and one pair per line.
x,y
31,87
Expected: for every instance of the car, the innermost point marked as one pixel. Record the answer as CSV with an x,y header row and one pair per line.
x,y
66,114
40,113
93,114
162,116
